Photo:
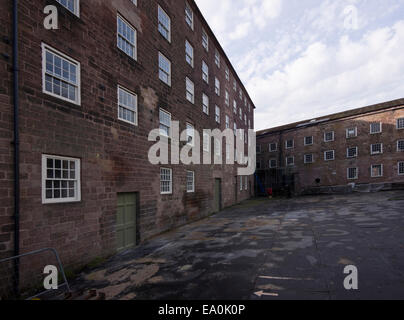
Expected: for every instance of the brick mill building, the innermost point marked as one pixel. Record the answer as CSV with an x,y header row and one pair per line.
x,y
361,149
89,94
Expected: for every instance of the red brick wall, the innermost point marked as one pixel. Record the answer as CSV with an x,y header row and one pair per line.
x,y
113,153
334,173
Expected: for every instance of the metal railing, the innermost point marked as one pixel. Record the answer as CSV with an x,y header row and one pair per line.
x,y
16,271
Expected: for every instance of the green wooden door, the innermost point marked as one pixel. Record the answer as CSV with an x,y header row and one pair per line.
x,y
126,221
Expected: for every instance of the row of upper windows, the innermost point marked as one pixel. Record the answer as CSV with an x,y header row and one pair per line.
x,y
352,173
127,42
375,128
61,78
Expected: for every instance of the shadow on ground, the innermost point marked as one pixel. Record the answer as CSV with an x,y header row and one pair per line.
x,y
268,249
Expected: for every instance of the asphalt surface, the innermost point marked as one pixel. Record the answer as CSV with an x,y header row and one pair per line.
x,y
268,250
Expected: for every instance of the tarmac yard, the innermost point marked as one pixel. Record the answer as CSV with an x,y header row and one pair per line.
x,y
268,249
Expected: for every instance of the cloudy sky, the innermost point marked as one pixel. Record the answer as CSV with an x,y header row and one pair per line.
x,y
301,59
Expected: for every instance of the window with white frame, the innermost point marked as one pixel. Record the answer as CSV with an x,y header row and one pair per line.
x,y
71,5
290,144
400,145
205,40
227,74
127,106
61,75
165,123
190,90
164,24
375,127
234,85
273,163
166,181
273,147
217,86
60,179
240,113
189,16
352,173
377,171
217,114
240,94
190,134
290,161
217,58
308,158
376,148
190,181
227,122
189,53
329,136
400,123
400,166
352,152
126,37
351,132
235,106
226,98
245,119
329,155
205,72
308,141
205,103
206,142
241,183
164,69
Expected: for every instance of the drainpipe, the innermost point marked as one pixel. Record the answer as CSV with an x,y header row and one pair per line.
x,y
16,150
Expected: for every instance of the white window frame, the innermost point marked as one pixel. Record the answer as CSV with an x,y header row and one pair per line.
x,y
226,98
270,147
205,98
356,152
55,52
376,132
135,123
170,181
191,18
227,122
189,56
206,142
270,164
161,11
305,158
333,155
217,114
227,74
382,170
162,56
398,168
376,153
193,181
205,42
352,128
312,141
190,134
76,10
163,124
217,86
286,144
134,44
398,145
77,179
217,58
333,136
400,121
189,82
205,72
356,176
290,164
